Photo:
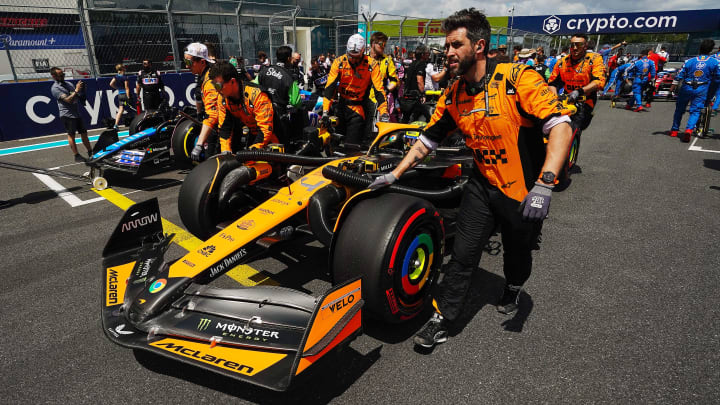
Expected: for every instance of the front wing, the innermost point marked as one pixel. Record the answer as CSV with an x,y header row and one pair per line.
x,y
261,335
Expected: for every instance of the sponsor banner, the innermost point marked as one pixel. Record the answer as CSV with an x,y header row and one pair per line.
x,y
34,111
40,31
417,27
42,41
650,22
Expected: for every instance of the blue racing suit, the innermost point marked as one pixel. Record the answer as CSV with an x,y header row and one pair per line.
x,y
550,62
700,77
716,105
616,78
642,71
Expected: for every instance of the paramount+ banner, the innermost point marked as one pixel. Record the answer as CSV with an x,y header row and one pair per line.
x,y
33,111
616,23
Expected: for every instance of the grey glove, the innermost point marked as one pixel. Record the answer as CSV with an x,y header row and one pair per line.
x,y
196,152
385,118
574,96
382,181
536,205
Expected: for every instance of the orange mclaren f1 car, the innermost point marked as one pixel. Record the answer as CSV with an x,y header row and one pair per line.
x,y
385,251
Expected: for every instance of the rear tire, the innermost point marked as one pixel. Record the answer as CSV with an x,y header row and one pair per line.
x,y
198,197
135,123
144,120
395,242
183,141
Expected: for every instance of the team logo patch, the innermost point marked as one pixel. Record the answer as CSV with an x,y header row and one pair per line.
x,y
698,73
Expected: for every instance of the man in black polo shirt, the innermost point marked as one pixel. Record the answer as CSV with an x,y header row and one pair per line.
x,y
411,104
277,81
150,82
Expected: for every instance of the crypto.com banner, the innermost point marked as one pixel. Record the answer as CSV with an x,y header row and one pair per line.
x,y
30,110
650,22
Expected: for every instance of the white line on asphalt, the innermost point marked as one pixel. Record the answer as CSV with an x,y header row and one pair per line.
x,y
64,193
700,148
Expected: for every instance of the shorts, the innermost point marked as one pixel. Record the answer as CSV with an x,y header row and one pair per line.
x,y
73,125
123,98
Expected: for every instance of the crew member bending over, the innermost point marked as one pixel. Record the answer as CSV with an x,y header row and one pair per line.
x,y
241,104
197,59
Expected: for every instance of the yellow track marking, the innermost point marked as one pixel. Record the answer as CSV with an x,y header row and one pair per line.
x,y
243,273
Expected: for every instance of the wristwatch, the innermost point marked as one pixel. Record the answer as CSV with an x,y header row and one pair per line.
x,y
548,177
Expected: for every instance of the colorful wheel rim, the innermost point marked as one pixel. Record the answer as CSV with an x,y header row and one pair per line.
x,y
417,264
573,152
157,286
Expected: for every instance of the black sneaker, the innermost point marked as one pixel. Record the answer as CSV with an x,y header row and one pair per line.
x,y
79,158
510,299
434,332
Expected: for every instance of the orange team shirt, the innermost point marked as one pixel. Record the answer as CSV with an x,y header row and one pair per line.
x,y
589,69
255,111
210,101
354,84
507,143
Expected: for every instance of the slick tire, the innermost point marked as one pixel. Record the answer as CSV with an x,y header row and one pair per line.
x,y
395,242
145,120
198,198
183,141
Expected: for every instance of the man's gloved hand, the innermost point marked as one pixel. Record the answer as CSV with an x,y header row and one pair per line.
x,y
325,120
385,118
382,181
196,153
536,205
574,95
257,146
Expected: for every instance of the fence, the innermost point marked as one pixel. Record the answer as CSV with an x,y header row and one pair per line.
x,y
87,38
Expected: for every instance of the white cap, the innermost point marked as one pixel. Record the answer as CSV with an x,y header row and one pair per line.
x,y
356,45
198,50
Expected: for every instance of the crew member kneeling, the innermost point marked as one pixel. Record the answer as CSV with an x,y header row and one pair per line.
x,y
241,101
503,109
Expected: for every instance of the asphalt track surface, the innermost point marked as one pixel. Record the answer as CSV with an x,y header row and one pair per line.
x,y
621,307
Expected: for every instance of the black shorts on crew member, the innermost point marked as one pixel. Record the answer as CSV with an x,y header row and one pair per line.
x,y
484,207
73,125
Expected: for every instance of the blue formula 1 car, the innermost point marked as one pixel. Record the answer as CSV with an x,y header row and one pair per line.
x,y
147,146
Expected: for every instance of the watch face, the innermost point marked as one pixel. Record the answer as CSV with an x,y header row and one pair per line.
x,y
548,177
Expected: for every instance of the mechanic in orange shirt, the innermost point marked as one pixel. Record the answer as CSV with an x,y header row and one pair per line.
x,y
503,109
579,73
243,102
198,61
351,77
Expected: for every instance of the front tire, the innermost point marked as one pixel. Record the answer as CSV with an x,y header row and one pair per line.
x,y
183,141
198,197
395,242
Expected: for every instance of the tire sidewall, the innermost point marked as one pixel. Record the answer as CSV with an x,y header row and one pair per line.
x,y
364,246
183,140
